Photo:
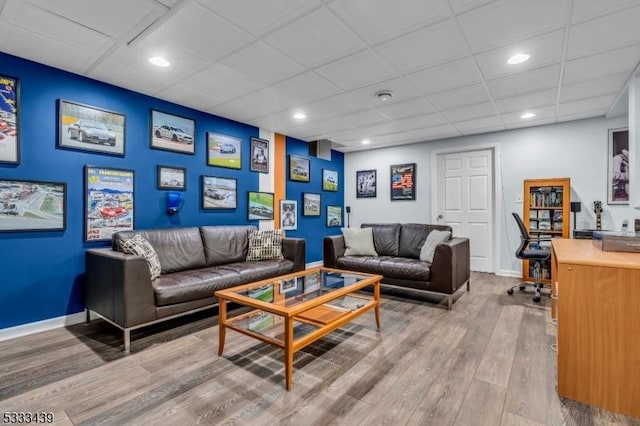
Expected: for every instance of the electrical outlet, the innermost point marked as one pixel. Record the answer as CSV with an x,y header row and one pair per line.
x,y
519,198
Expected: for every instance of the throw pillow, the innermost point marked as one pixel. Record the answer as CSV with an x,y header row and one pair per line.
x,y
139,246
434,238
359,242
265,245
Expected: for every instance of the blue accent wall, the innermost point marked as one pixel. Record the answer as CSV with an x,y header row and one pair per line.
x,y
314,228
42,272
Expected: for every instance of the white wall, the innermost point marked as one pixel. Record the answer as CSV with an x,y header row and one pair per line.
x,y
576,149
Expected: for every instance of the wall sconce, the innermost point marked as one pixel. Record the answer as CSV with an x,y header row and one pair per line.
x,y
174,202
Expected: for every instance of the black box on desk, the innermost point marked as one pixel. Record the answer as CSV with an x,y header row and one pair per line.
x,y
617,241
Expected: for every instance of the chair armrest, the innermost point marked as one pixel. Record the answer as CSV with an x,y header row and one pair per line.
x,y
118,287
332,248
294,249
451,266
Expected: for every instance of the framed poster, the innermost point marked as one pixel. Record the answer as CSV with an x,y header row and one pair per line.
x,y
334,216
223,151
299,168
108,202
259,155
29,205
329,180
310,204
260,205
171,132
92,129
219,193
9,112
171,177
288,215
618,169
403,182
366,184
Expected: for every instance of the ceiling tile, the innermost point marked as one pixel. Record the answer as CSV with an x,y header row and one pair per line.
x,y
530,81
257,17
126,76
107,17
254,105
315,39
448,76
436,132
521,124
470,112
599,35
603,64
468,95
398,86
356,70
507,21
587,9
356,119
409,108
208,36
221,83
582,115
305,88
541,113
586,105
261,63
462,5
377,20
481,125
337,105
420,121
433,45
544,50
196,99
527,101
593,88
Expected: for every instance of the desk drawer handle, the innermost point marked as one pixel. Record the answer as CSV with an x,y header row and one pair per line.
x,y
554,347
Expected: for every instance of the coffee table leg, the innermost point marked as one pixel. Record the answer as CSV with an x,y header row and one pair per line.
x,y
222,320
376,296
288,351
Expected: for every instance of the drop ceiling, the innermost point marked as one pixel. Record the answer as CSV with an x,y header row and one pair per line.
x,y
259,62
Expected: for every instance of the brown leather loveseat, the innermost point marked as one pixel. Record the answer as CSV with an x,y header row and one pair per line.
x,y
195,262
398,261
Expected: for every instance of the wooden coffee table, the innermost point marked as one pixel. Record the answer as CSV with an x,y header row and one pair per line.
x,y
294,310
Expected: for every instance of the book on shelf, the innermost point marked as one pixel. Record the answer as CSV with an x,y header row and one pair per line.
x,y
557,226
544,214
533,224
557,215
544,224
533,214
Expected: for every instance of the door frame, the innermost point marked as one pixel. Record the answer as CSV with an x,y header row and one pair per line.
x,y
496,221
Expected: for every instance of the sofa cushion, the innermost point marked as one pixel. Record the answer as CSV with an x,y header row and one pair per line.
x,y
358,242
225,244
413,236
434,238
141,247
386,237
389,266
178,249
265,245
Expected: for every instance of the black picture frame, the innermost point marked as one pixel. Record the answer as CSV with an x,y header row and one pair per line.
x,y
366,183
38,197
311,204
218,193
259,155
288,215
403,182
299,169
171,132
9,119
224,151
91,129
334,216
330,180
260,205
618,184
171,178
108,202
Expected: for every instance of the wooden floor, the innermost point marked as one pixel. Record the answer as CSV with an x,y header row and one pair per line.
x,y
487,362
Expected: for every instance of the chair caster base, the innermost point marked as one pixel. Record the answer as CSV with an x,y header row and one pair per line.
x,y
510,291
523,287
536,299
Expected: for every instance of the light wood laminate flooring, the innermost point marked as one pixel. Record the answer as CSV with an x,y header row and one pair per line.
x,y
486,362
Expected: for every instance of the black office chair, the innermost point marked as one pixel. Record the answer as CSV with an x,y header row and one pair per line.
x,y
535,254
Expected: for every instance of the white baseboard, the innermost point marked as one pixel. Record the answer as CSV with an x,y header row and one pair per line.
x,y
38,326
506,273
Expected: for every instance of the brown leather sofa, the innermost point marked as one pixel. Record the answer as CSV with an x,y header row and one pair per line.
x,y
398,261
194,261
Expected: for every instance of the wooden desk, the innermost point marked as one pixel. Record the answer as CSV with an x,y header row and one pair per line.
x,y
598,313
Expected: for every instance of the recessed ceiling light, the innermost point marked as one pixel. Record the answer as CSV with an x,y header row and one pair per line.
x,y
366,142
384,95
299,116
527,115
518,58
159,61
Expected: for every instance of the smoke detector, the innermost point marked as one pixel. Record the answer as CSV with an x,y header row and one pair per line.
x,y
384,95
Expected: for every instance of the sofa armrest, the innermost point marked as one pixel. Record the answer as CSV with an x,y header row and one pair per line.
x,y
294,249
118,287
451,266
332,248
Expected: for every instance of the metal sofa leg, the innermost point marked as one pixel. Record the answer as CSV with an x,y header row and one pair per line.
x,y
87,316
468,281
127,340
449,301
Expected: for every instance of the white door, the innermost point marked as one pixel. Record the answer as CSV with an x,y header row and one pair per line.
x,y
465,202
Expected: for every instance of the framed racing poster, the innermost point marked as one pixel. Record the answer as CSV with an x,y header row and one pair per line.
x,y
9,109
